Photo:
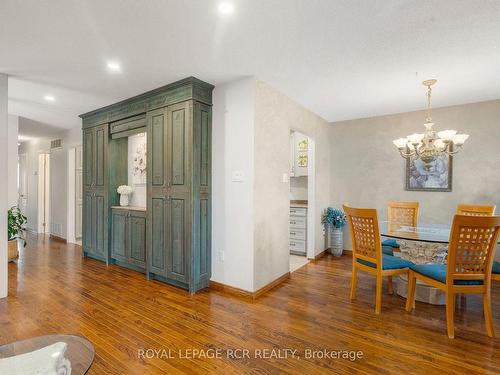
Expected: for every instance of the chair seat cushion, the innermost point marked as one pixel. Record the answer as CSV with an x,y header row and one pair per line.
x,y
389,262
389,250
391,243
496,267
438,272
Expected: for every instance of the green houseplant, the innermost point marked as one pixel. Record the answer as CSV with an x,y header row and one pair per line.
x,y
16,225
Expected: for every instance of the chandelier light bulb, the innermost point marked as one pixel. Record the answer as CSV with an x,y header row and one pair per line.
x,y
447,135
415,138
400,142
439,143
460,139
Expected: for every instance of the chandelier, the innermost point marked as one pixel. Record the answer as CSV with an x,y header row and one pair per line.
x,y
429,145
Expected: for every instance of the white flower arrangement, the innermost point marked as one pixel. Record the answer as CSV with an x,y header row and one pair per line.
x,y
124,189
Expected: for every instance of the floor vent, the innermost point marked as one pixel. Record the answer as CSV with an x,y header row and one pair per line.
x,y
56,143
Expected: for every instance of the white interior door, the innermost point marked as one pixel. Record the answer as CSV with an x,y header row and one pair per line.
x,y
22,186
78,192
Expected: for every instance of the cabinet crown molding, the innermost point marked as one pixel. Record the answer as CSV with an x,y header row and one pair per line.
x,y
176,92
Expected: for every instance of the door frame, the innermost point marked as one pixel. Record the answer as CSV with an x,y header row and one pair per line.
x,y
43,192
72,185
22,182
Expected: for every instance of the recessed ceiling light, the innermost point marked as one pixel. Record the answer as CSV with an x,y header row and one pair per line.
x,y
114,66
226,7
49,98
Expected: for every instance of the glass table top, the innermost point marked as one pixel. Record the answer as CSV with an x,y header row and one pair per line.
x,y
58,354
437,233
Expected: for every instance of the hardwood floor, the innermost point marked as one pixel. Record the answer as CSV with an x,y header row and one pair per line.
x,y
54,290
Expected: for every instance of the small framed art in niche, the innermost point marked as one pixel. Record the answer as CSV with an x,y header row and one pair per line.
x,y
138,158
434,176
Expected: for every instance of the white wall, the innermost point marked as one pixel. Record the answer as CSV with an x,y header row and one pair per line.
x,y
3,185
232,202
12,136
298,188
367,170
275,116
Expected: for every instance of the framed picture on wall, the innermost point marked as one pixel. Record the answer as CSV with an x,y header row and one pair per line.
x,y
434,176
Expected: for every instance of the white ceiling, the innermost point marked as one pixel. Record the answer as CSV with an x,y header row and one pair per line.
x,y
341,59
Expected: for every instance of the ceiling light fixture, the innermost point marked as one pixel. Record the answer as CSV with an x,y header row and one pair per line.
x,y
114,67
226,7
49,98
428,146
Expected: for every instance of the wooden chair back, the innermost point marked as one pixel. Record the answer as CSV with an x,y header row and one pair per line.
x,y
475,210
403,213
365,234
473,241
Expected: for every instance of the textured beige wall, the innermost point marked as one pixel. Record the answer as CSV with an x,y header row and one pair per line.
x,y
275,116
367,170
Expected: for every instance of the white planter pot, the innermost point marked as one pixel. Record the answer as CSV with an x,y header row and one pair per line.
x,y
336,241
124,200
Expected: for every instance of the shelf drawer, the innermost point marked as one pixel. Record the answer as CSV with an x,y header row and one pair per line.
x,y
297,222
298,246
298,211
298,234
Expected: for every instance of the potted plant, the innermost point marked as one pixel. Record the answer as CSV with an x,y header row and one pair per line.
x,y
334,221
124,191
16,225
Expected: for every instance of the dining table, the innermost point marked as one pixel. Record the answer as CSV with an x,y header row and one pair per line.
x,y
424,243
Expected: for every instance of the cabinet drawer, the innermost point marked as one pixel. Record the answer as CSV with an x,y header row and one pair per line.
x,y
298,246
298,211
298,234
297,222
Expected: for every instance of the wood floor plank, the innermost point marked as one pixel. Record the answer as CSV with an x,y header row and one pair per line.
x,y
53,290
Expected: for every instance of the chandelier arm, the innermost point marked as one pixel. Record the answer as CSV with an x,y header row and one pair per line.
x,y
454,152
406,155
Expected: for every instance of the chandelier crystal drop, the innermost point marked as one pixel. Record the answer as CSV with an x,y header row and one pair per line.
x,y
429,145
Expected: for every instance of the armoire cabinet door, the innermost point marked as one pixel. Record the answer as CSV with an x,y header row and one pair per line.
x,y
179,146
137,238
100,157
100,207
178,240
156,236
88,221
88,157
119,235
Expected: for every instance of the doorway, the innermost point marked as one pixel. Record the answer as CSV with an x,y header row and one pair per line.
x,y
43,193
302,200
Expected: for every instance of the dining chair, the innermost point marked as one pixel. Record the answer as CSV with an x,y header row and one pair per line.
x,y
367,252
403,213
475,210
471,251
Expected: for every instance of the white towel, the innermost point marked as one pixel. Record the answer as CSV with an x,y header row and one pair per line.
x,y
49,360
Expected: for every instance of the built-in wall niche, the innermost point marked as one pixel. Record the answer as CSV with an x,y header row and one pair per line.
x,y
136,162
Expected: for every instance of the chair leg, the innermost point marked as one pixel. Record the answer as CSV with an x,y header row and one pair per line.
x,y
410,293
450,310
487,314
354,281
378,298
390,289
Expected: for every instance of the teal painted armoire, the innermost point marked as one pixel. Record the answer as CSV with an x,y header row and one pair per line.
x,y
169,239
